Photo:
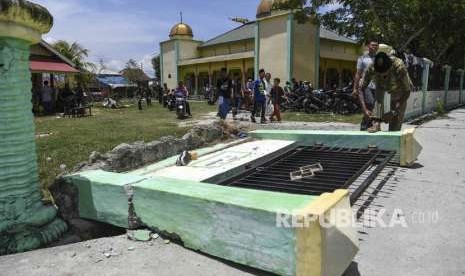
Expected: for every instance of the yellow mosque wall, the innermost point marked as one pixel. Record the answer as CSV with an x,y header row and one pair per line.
x,y
338,50
304,47
188,49
273,54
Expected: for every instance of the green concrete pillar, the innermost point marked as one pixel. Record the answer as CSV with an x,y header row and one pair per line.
x,y
257,49
317,56
25,222
425,80
290,49
447,70
461,73
177,55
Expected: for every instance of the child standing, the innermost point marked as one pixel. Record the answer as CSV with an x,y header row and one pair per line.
x,y
276,93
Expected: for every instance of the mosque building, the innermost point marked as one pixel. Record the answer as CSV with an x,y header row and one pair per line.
x,y
275,41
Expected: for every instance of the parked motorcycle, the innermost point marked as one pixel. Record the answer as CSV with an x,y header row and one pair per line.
x,y
346,104
181,106
170,102
211,95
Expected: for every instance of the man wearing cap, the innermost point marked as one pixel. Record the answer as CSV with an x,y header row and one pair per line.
x,y
389,74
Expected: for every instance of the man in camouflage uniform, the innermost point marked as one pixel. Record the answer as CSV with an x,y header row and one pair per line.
x,y
390,75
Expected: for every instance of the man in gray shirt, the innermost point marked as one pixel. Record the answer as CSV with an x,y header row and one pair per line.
x,y
363,63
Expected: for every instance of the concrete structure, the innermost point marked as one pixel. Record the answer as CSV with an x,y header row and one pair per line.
x,y
403,142
238,224
275,41
235,224
430,196
25,223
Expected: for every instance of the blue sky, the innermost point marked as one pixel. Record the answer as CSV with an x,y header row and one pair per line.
x,y
117,30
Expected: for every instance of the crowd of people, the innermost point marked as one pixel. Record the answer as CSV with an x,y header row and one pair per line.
x,y
378,72
48,100
264,95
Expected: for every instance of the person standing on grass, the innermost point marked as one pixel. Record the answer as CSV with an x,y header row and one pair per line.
x,y
238,94
248,95
276,94
164,95
269,86
46,96
225,88
259,101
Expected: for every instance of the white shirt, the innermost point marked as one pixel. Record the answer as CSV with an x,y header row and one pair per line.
x,y
268,87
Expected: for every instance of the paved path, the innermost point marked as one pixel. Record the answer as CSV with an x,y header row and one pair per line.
x,y
431,198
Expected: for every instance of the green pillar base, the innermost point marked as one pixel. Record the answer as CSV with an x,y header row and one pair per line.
x,y
25,222
29,237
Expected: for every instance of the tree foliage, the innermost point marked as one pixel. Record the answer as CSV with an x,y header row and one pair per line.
x,y
156,66
133,72
428,28
77,54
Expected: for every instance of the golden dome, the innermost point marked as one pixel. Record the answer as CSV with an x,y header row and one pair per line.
x,y
181,29
267,6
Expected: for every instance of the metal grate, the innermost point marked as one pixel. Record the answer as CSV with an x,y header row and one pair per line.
x,y
341,167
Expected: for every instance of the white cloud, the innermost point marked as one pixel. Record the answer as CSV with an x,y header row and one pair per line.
x,y
113,35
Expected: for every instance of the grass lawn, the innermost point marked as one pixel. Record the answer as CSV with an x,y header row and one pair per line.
x,y
304,117
73,140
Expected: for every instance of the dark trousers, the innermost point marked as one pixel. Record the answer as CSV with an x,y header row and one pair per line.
x,y
259,105
367,122
237,105
48,107
188,108
225,107
369,96
395,124
276,112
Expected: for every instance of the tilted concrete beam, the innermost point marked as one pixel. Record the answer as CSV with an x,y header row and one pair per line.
x,y
235,224
403,142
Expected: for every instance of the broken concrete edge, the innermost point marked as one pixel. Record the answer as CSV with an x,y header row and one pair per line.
x,y
410,148
126,157
235,224
170,161
403,142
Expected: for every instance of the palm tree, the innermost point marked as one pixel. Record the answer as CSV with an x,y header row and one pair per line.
x,y
74,52
77,54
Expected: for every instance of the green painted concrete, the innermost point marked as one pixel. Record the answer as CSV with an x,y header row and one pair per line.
x,y
231,223
425,79
290,49
103,196
317,57
447,83
349,139
25,223
162,80
177,55
257,48
461,73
